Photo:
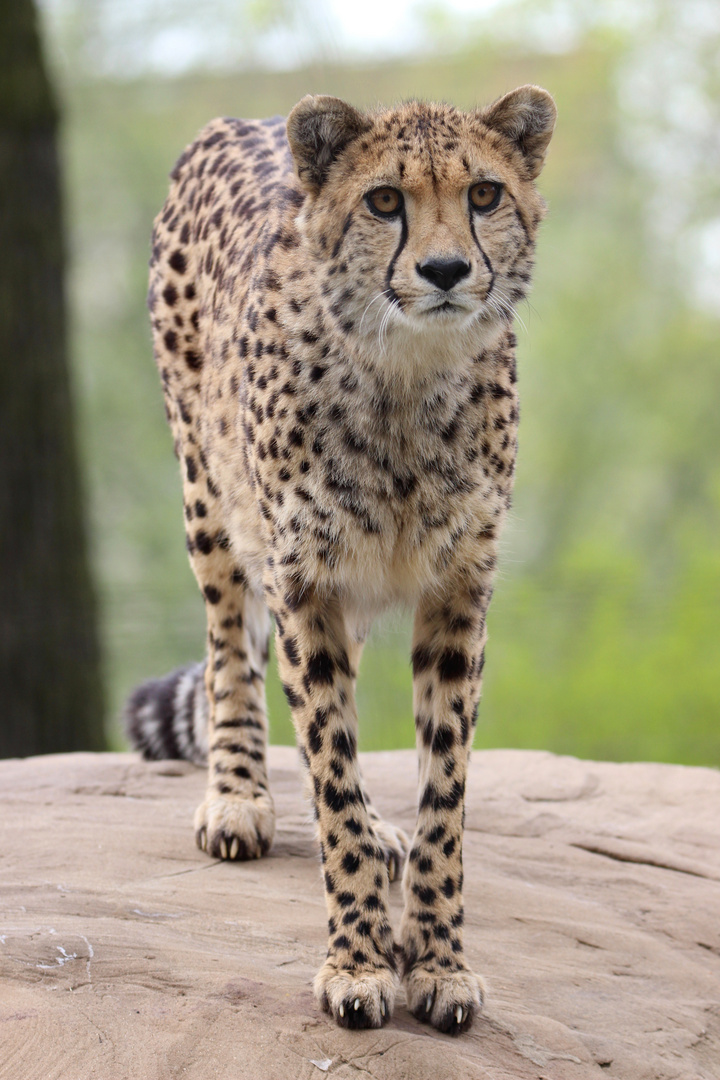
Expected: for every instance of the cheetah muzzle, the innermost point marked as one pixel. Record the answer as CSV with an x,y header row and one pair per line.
x,y
332,301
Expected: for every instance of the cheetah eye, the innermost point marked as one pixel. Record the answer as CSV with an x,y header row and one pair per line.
x,y
385,201
485,195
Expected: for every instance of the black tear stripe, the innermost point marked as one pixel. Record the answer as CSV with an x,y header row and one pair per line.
x,y
520,218
488,264
389,291
345,230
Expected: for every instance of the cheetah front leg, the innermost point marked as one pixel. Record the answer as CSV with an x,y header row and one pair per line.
x,y
358,981
393,840
447,663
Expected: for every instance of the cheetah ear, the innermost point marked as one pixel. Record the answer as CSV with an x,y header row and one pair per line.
x,y
318,130
526,117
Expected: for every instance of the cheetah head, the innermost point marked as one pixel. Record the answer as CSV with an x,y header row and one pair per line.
x,y
422,219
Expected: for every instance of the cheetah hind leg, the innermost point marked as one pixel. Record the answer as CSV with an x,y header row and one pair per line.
x,y
236,820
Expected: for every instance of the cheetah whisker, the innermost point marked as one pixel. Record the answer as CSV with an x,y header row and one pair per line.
x,y
380,296
383,326
392,305
504,310
500,303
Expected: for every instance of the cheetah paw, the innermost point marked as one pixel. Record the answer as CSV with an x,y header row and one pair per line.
x,y
395,846
356,999
234,826
448,1002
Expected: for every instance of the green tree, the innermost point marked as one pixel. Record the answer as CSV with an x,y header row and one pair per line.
x,y
50,686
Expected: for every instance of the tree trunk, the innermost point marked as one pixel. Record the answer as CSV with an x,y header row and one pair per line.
x,y
50,686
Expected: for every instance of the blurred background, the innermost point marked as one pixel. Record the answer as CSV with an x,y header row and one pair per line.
x,y
605,625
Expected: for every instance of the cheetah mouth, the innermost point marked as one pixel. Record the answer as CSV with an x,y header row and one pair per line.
x,y
447,307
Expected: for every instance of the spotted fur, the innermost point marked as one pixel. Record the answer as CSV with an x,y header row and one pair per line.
x,y
340,383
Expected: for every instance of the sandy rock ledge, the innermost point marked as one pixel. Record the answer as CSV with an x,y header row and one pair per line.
x,y
592,902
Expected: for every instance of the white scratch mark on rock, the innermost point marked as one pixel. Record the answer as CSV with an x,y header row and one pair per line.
x,y
156,914
91,953
59,960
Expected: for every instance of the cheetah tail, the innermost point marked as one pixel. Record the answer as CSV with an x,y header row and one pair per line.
x,y
167,718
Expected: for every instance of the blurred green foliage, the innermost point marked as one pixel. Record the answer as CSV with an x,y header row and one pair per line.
x,y
606,621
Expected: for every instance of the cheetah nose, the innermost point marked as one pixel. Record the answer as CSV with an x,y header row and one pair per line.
x,y
444,272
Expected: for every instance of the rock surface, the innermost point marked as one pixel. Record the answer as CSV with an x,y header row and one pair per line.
x,y
592,901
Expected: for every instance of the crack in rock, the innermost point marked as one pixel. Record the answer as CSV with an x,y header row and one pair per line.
x,y
619,854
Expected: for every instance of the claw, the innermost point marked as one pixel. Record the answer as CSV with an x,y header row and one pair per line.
x,y
341,1010
383,1007
234,848
428,1003
392,868
203,839
357,1004
224,848
459,1014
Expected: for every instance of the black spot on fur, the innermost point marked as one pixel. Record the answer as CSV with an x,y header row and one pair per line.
x,y
336,799
315,740
452,665
449,846
351,862
204,543
178,262
448,887
344,744
321,717
431,797
320,669
421,659
290,649
443,740
294,700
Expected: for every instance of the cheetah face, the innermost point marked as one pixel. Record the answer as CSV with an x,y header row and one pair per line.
x,y
422,217
437,238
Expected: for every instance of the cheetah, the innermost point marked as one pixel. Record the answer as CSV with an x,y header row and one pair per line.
x,y
332,301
